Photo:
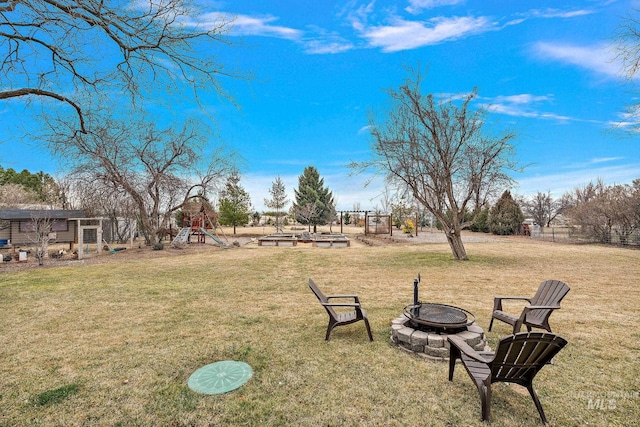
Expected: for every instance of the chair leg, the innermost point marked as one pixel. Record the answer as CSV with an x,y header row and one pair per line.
x,y
454,353
485,398
534,396
490,324
366,323
331,325
485,401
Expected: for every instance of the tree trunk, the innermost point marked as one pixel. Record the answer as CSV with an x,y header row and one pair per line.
x,y
147,228
457,247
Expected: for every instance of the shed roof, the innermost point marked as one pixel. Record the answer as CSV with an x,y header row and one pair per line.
x,y
25,214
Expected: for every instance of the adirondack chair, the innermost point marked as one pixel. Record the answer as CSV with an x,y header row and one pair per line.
x,y
536,314
341,318
518,358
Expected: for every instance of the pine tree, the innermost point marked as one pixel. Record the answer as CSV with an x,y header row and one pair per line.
x,y
314,203
278,199
506,216
235,203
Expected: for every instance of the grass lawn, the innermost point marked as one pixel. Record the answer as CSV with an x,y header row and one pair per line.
x,y
115,343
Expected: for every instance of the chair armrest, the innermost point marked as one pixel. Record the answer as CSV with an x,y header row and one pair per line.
x,y
342,296
354,297
465,348
497,301
541,307
527,309
340,304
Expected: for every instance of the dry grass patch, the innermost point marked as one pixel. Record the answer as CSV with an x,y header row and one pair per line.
x,y
114,343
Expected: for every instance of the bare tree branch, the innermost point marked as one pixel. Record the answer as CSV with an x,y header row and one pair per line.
x,y
39,92
66,49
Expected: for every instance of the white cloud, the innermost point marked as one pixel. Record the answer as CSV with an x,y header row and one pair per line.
x,y
528,106
245,25
417,6
556,13
524,98
364,130
325,42
314,41
605,159
596,58
401,34
523,105
559,183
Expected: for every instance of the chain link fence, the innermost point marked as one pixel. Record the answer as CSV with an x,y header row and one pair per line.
x,y
571,235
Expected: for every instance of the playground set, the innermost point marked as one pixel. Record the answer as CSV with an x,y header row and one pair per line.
x,y
200,223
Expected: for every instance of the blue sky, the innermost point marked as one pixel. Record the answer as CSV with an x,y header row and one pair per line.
x,y
546,69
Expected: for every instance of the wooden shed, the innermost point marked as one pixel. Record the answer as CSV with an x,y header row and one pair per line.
x,y
17,225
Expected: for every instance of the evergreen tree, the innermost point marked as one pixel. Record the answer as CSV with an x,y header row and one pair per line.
x,y
481,222
506,216
40,183
278,199
314,203
347,218
235,203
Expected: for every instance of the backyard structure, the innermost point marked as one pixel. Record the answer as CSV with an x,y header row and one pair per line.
x,y
373,224
65,226
322,240
197,220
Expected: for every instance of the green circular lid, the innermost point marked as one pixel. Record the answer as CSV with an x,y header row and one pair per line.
x,y
220,377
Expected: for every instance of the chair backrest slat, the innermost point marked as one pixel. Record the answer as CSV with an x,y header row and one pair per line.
x,y
550,292
519,357
322,298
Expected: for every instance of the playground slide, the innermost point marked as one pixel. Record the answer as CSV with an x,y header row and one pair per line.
x,y
182,236
213,236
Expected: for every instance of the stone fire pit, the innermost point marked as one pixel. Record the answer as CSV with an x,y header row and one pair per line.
x,y
424,327
433,345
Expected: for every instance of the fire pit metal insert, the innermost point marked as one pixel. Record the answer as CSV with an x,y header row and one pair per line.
x,y
423,328
439,316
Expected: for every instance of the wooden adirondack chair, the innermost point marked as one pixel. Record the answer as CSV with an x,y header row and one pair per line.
x,y
341,318
518,358
536,315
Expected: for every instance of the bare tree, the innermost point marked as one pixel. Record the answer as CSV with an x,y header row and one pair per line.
x,y
587,211
70,51
159,170
604,211
306,213
543,208
278,200
355,218
627,51
40,235
438,150
14,195
96,198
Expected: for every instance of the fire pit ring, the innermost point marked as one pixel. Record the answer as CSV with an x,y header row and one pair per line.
x,y
423,328
439,316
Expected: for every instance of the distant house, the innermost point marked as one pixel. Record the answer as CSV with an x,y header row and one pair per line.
x,y
17,225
